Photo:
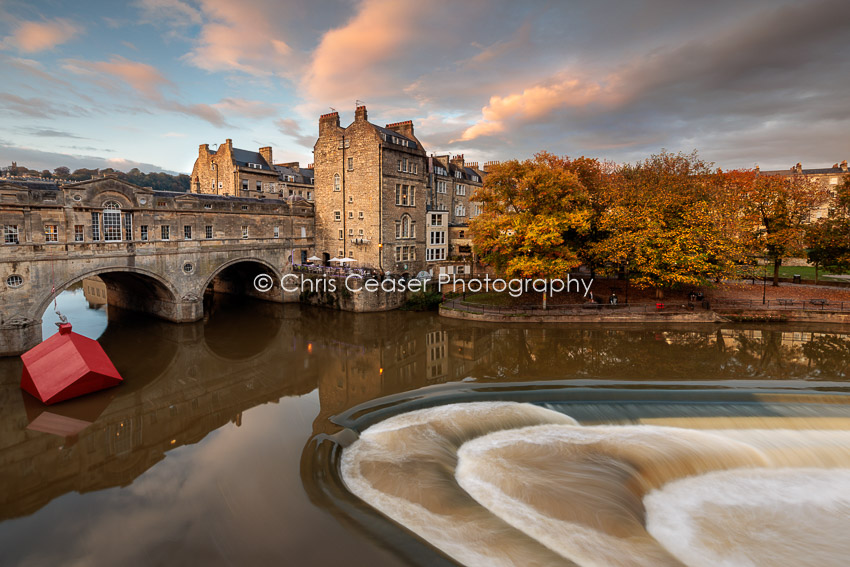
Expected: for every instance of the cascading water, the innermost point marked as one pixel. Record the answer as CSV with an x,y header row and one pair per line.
x,y
501,483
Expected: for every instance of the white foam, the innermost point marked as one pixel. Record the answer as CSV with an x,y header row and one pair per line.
x,y
755,518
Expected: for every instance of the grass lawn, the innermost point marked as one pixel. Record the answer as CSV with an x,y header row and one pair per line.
x,y
807,272
492,298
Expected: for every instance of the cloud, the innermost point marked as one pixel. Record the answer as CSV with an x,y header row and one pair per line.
x,y
33,37
37,159
291,128
241,37
248,108
37,107
50,133
173,13
174,135
143,78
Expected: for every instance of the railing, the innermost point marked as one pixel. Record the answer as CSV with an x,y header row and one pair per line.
x,y
652,307
333,271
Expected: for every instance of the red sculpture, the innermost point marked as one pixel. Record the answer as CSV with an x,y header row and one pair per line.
x,y
65,366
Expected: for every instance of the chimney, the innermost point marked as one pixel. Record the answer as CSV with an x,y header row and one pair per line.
x,y
458,160
229,143
294,165
203,150
328,121
844,165
798,168
360,113
758,169
266,152
404,128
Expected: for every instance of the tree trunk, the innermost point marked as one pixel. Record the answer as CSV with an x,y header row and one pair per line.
x,y
544,300
776,264
816,273
659,293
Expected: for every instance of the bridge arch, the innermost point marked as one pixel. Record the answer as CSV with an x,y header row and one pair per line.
x,y
139,290
236,276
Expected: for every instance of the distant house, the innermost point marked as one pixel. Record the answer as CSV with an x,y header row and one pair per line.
x,y
245,173
827,177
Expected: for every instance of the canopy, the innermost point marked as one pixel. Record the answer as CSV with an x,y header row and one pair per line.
x,y
314,259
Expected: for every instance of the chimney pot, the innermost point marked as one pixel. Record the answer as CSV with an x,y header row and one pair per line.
x,y
844,165
360,114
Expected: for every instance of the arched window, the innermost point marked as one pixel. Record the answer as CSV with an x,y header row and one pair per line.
x,y
111,221
336,182
405,228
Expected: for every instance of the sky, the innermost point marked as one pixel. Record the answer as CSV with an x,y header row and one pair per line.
x,y
143,83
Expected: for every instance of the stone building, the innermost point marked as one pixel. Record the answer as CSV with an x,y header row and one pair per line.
x,y
244,173
829,178
371,193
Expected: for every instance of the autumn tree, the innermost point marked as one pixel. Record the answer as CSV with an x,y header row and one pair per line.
x,y
779,209
828,239
533,214
664,223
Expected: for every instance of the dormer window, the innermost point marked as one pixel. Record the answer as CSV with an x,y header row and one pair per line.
x,y
255,165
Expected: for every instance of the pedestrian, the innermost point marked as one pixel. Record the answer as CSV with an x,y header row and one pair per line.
x,y
613,299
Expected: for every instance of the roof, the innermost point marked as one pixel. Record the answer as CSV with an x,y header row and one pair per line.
x,y
820,171
301,176
31,183
244,157
388,132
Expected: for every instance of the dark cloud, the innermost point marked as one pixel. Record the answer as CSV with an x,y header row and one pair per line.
x,y
291,128
37,159
49,133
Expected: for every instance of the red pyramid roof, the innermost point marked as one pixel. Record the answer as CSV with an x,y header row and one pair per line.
x,y
65,366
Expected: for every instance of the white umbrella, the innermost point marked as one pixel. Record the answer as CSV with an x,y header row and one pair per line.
x,y
314,259
334,259
347,259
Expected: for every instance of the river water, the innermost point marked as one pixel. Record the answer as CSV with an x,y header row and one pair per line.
x,y
272,434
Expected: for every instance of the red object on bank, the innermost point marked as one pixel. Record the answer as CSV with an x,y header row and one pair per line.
x,y
65,366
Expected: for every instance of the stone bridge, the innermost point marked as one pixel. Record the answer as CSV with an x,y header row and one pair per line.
x,y
156,252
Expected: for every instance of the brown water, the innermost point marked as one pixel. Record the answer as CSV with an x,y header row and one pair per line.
x,y
582,446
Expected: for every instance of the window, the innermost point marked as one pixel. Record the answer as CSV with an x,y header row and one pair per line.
x,y
187,232
78,233
437,220
51,233
144,229
350,214
461,189
359,232
208,206
399,163
458,175
10,234
438,238
111,221
341,234
309,195
95,226
405,165
188,268
220,185
350,232
460,211
351,199
255,165
435,254
405,195
360,215
350,164
14,281
336,181
337,216
441,186
128,226
259,186
208,233
405,228
244,184
277,232
244,231
165,232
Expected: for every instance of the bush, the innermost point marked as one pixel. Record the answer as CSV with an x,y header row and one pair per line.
x,y
423,301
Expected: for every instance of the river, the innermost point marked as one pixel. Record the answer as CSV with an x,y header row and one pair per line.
x,y
272,434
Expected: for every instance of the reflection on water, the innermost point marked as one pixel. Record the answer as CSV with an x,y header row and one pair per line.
x,y
84,304
206,436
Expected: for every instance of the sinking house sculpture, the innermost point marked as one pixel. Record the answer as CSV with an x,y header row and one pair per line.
x,y
65,366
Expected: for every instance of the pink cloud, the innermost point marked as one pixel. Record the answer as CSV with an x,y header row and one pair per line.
x,y
32,37
143,78
241,36
538,102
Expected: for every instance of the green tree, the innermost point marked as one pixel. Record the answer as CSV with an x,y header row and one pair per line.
x,y
828,239
779,209
533,214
